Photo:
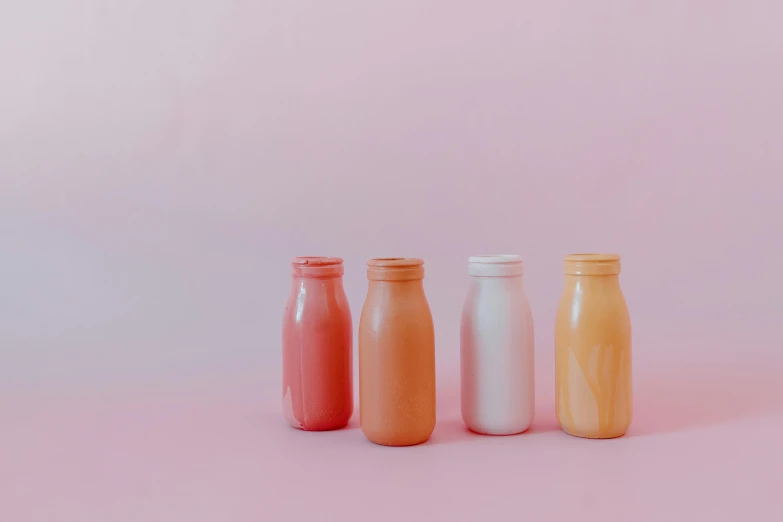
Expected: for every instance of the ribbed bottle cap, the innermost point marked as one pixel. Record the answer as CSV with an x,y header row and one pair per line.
x,y
591,264
395,269
495,266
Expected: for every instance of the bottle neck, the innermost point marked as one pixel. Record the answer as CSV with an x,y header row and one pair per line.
x,y
589,282
405,284
329,272
497,281
299,284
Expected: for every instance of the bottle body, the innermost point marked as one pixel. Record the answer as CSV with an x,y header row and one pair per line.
x,y
396,356
497,350
593,350
317,348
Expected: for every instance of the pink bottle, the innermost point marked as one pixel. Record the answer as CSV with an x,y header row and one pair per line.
x,y
317,347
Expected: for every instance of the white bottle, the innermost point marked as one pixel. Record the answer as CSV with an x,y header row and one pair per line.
x,y
496,344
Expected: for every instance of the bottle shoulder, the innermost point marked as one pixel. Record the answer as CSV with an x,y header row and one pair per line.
x,y
593,307
389,307
496,296
316,303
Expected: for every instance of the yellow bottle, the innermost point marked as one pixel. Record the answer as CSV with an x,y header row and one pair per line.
x,y
593,349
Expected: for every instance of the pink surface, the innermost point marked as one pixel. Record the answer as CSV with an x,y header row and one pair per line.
x,y
162,162
704,447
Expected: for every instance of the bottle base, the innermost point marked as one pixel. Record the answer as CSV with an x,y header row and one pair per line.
x,y
397,441
595,436
401,444
329,420
328,427
497,432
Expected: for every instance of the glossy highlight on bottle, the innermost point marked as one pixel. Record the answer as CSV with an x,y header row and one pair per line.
x,y
593,349
396,355
317,347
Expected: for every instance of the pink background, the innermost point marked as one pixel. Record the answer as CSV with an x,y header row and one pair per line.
x,y
161,162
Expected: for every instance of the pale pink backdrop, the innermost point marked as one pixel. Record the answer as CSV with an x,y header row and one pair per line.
x,y
161,162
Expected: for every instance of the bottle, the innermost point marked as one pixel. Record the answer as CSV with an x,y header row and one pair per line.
x,y
496,345
396,355
593,349
317,347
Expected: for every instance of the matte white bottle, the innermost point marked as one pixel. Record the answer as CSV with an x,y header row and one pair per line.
x,y
496,345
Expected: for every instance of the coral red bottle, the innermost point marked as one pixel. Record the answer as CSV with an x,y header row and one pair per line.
x,y
317,347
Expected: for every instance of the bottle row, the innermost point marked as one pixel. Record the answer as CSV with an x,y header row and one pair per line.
x,y
397,350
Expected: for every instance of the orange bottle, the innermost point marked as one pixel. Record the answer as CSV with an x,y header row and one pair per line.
x,y
396,355
593,349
